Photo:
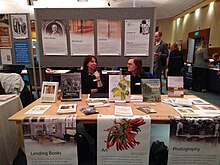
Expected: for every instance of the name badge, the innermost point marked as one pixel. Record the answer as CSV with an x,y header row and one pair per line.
x,y
137,84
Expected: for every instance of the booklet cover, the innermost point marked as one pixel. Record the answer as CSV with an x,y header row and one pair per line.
x,y
38,110
49,91
71,86
151,90
186,112
147,110
89,110
183,102
123,111
175,86
198,101
66,108
119,87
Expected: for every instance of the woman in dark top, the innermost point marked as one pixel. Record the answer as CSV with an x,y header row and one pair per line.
x,y
91,79
176,61
137,73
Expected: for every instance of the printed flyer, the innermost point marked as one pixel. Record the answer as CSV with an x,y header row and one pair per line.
x,y
50,140
81,37
54,37
109,37
5,35
123,140
137,37
194,141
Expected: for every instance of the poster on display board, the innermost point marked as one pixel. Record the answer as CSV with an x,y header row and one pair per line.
x,y
21,53
19,26
54,38
123,140
194,141
109,37
137,37
50,140
5,35
6,56
81,37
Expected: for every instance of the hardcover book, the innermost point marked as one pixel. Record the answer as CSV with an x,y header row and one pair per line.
x,y
119,87
151,90
49,91
175,86
71,86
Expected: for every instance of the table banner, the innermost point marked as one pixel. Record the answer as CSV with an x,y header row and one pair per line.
x,y
194,141
50,140
123,140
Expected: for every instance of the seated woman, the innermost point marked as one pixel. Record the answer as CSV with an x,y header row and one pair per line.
x,y
91,79
137,73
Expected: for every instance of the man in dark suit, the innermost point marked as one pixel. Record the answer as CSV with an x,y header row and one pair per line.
x,y
160,55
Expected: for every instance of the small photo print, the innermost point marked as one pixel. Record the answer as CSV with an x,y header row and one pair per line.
x,y
49,89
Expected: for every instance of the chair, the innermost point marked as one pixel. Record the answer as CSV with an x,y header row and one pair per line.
x,y
31,78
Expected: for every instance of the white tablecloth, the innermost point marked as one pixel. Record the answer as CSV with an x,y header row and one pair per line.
x,y
8,130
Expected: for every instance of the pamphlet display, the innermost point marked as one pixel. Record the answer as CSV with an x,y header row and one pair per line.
x,y
194,141
175,86
119,87
123,139
50,140
71,86
151,90
49,91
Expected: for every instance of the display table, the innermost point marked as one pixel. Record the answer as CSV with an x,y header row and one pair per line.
x,y
8,130
161,117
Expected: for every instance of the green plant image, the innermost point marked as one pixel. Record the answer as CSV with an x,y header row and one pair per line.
x,y
122,88
123,133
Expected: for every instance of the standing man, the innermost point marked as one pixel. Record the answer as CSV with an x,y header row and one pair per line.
x,y
160,55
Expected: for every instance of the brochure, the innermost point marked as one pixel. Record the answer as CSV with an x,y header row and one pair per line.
x,y
123,111
66,108
6,97
49,91
71,86
98,102
147,110
175,86
38,110
198,101
119,87
183,102
151,90
89,110
186,112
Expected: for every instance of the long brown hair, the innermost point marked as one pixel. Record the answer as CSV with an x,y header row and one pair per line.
x,y
87,60
138,64
174,47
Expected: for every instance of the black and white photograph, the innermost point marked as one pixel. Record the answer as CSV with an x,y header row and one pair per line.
x,y
71,86
19,26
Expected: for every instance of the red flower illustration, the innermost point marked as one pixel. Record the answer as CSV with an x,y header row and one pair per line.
x,y
122,133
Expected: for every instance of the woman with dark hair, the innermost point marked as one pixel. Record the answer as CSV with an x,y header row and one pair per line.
x,y
137,73
91,79
176,61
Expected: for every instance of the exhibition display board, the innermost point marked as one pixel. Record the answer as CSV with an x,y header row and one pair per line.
x,y
112,34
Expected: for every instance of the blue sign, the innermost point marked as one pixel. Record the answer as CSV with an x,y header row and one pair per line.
x,y
21,53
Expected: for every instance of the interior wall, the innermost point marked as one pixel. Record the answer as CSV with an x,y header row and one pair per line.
x,y
192,22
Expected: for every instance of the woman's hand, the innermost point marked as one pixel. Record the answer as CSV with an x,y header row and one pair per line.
x,y
94,90
97,75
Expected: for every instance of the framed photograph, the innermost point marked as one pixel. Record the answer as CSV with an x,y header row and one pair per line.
x,y
49,91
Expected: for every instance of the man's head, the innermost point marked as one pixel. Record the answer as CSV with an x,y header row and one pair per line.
x,y
54,28
157,36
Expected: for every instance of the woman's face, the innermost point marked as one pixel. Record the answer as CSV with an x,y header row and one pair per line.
x,y
131,66
92,65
